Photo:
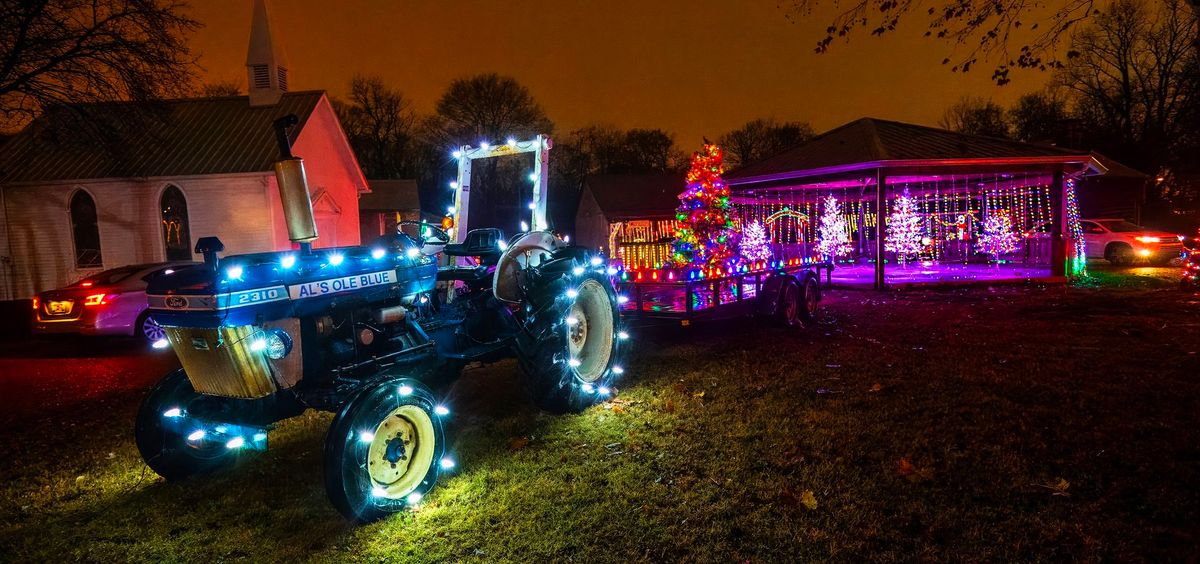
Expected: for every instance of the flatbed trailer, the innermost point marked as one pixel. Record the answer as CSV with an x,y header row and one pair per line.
x,y
787,293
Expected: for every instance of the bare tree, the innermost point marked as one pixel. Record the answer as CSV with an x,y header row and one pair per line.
x,y
649,150
975,116
379,123
761,138
220,89
1015,33
491,108
1040,117
66,52
1133,74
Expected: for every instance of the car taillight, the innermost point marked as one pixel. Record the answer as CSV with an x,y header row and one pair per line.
x,y
96,299
35,302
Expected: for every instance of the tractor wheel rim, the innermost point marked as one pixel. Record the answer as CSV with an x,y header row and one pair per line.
x,y
590,334
810,300
152,330
401,451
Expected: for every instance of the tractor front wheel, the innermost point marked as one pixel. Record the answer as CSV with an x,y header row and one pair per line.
x,y
384,450
173,444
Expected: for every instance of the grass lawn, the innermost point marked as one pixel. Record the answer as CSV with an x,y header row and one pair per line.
x,y
1006,423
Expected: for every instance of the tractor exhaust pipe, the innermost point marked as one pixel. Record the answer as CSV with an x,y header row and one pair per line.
x,y
293,186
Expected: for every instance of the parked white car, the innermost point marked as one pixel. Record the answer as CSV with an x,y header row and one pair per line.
x,y
112,302
1121,242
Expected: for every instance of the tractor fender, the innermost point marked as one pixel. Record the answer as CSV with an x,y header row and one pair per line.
x,y
768,296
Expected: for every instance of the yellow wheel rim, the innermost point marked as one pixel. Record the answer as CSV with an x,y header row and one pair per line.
x,y
401,451
590,337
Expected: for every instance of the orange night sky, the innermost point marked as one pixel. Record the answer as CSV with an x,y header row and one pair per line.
x,y
691,67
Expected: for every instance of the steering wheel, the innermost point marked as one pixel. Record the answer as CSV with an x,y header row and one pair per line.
x,y
428,235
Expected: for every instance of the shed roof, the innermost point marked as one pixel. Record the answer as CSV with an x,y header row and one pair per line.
x,y
636,196
873,140
390,195
174,138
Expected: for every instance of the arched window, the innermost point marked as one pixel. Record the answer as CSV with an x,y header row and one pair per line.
x,y
177,239
85,231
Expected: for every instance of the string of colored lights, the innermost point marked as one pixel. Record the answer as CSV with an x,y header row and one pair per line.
x,y
1078,262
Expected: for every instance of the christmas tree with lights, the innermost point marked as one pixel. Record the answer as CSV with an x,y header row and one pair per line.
x,y
834,238
997,237
705,237
903,229
754,244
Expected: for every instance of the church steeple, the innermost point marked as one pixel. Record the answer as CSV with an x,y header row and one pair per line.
x,y
266,63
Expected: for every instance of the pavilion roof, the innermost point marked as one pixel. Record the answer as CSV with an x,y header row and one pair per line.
x,y
870,143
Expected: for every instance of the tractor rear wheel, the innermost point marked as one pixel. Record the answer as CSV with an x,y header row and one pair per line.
x,y
569,345
172,444
384,450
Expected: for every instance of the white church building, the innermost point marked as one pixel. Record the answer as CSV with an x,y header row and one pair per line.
x,y
194,168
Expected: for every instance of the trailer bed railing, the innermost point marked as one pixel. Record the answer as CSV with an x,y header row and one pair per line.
x,y
690,299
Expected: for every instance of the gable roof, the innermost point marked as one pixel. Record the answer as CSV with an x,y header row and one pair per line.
x,y
177,138
390,195
636,196
1114,169
871,140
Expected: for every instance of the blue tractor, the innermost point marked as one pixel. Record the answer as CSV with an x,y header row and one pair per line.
x,y
369,333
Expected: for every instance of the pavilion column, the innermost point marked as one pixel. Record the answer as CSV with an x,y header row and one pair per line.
x,y
880,206
1058,226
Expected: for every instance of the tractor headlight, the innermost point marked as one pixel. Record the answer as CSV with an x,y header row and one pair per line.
x,y
279,344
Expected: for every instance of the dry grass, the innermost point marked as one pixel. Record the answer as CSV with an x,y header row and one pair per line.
x,y
983,424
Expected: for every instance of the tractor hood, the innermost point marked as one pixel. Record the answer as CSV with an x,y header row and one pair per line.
x,y
254,288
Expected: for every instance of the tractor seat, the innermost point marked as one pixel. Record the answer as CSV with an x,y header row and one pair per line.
x,y
483,243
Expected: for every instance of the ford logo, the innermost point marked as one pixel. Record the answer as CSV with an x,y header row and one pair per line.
x,y
176,302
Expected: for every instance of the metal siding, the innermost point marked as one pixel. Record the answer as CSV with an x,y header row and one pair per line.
x,y
197,136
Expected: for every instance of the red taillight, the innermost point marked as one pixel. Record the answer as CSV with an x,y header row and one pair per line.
x,y
86,284
95,299
35,302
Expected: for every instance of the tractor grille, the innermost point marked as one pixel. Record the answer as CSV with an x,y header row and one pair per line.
x,y
219,361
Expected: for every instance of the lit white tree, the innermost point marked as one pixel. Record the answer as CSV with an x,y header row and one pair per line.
x,y
904,231
997,237
754,245
834,238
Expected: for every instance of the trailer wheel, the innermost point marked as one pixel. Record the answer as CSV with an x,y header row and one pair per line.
x,y
384,450
810,298
787,311
162,435
569,347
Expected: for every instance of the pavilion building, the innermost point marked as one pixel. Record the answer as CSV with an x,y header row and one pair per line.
x,y
920,204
